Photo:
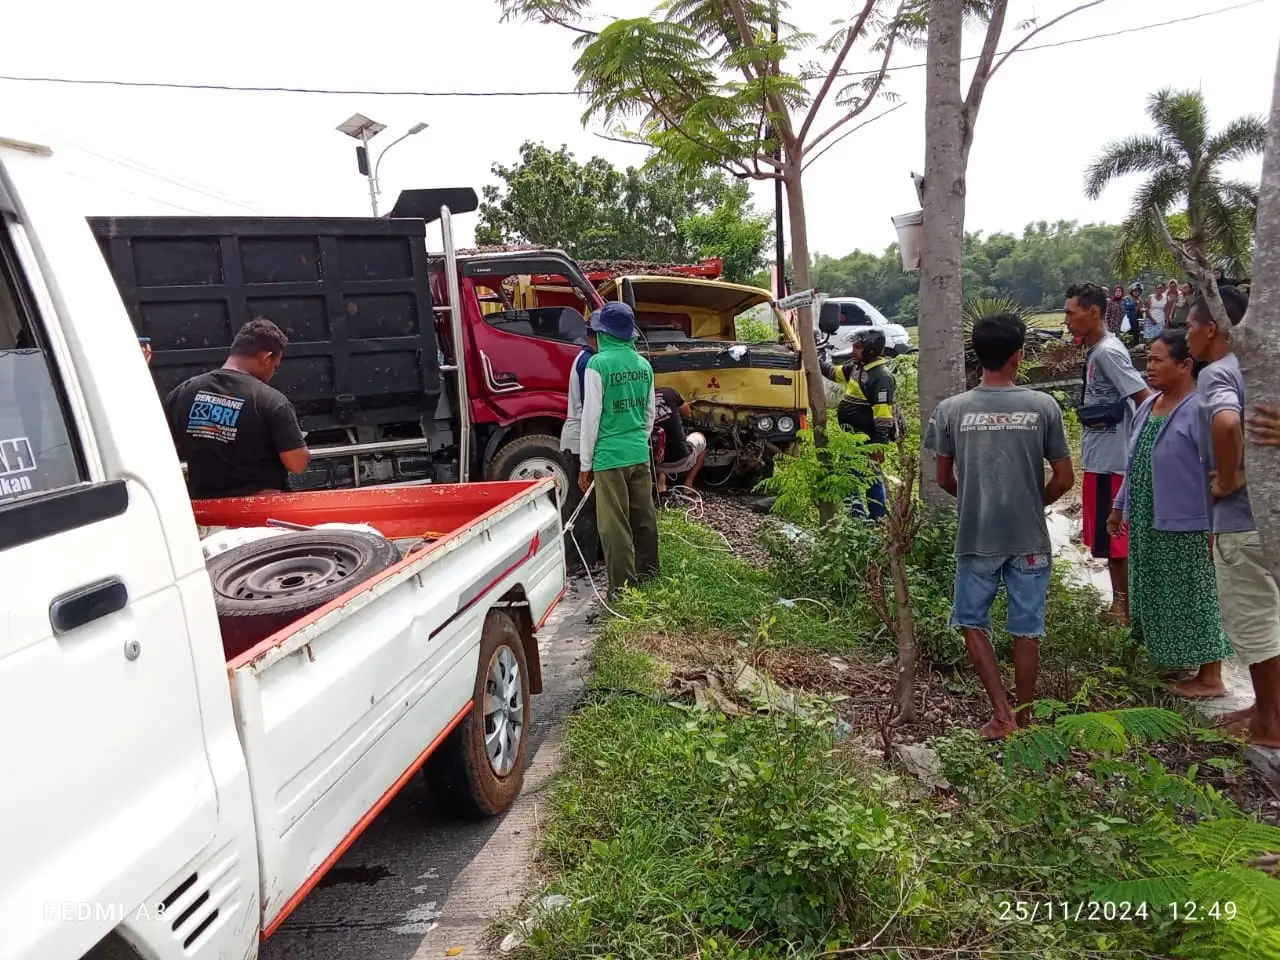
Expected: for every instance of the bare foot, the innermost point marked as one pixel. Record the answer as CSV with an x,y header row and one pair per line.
x,y
1263,734
1237,719
996,729
1197,689
1114,617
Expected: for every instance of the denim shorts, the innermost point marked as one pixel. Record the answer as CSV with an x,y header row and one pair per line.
x,y
1026,582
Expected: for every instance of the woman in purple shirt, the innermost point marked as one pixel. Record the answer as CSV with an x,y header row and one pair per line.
x,y
1173,596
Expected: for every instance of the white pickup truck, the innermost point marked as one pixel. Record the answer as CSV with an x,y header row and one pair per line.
x,y
167,793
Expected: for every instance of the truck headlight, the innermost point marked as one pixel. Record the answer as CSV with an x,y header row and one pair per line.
x,y
786,425
764,424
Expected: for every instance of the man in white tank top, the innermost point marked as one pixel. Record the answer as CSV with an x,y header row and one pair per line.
x,y
1157,313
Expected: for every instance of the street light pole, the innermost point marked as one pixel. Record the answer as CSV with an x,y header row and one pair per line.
x,y
375,186
363,129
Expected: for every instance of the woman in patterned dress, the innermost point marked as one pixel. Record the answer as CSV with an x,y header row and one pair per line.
x,y
1173,597
1114,315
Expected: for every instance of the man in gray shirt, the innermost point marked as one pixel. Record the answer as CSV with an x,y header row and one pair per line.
x,y
992,443
1247,593
1113,389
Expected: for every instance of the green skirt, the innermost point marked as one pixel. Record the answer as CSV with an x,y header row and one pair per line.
x,y
1173,594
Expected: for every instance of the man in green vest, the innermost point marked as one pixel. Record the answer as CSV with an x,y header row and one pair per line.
x,y
617,418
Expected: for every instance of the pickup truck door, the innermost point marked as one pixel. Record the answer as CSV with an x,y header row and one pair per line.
x,y
108,791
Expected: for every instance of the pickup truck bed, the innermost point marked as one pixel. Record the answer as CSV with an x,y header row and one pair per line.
x,y
338,710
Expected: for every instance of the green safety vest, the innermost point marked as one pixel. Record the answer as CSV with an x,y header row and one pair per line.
x,y
627,381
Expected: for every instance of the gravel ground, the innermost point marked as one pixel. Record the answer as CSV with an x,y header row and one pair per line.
x,y
733,518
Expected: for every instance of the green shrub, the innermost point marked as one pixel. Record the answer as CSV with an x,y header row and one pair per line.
x,y
802,480
749,329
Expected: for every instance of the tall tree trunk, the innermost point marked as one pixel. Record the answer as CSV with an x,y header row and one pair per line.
x,y
1257,341
1194,261
941,292
808,346
902,532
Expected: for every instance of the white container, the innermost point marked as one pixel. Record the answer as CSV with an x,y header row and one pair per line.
x,y
910,227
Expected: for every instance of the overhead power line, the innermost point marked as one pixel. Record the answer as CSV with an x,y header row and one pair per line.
x,y
137,166
232,88
1074,40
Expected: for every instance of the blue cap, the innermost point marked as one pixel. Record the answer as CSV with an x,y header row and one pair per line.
x,y
616,319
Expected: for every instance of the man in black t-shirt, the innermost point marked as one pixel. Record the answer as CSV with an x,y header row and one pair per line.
x,y
237,435
683,453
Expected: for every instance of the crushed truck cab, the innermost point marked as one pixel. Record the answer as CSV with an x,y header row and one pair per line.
x,y
749,399
169,794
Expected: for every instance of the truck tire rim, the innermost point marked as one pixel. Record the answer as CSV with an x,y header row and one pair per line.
x,y
503,711
283,573
535,468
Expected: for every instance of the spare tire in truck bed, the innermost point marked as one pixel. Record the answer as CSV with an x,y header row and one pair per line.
x,y
264,586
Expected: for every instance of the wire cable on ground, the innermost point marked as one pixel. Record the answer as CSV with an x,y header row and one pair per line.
x,y
568,528
233,88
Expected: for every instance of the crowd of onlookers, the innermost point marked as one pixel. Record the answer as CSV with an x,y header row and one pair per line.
x,y
1138,317
1165,498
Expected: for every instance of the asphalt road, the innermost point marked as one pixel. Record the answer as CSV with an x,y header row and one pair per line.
x,y
417,884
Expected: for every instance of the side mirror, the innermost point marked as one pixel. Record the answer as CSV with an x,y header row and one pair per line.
x,y
628,294
829,318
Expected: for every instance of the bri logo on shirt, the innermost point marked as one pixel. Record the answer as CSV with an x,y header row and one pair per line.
x,y
1014,420
213,417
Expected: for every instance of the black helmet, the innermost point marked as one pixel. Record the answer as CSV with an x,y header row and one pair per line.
x,y
872,341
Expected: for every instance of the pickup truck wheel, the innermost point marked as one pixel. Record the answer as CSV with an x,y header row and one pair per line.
x,y
479,769
261,587
531,458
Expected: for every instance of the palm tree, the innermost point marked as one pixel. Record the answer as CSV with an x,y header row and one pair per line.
x,y
1185,165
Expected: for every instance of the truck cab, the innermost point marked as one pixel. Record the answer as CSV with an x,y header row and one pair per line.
x,y
521,340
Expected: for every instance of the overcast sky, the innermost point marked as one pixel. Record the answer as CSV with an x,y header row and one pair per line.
x,y
143,151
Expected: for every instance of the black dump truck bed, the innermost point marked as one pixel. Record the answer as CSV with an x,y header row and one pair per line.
x,y
352,295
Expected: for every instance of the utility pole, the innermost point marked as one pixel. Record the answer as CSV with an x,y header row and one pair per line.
x,y
779,242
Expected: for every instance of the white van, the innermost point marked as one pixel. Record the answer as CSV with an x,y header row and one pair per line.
x,y
856,314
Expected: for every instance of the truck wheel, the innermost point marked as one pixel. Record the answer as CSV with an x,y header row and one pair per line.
x,y
261,587
531,458
479,769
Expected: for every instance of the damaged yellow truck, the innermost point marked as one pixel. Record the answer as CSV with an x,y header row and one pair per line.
x,y
723,346
748,397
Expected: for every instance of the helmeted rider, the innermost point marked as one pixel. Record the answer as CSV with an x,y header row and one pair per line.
x,y
867,406
869,388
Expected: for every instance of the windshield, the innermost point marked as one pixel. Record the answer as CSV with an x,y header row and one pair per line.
x,y
764,323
